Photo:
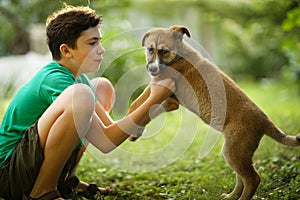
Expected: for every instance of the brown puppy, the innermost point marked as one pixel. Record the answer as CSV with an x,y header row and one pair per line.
x,y
205,90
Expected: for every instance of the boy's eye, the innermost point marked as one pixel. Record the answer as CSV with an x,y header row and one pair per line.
x,y
94,42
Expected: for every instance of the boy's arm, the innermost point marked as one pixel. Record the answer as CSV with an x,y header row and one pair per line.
x,y
169,104
102,114
140,100
106,138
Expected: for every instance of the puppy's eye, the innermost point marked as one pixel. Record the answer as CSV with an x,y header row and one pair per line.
x,y
151,50
163,52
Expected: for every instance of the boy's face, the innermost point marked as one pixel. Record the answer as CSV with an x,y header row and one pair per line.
x,y
87,56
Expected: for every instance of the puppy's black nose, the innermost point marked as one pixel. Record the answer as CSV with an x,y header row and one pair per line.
x,y
152,69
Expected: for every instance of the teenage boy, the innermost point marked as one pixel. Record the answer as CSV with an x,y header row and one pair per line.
x,y
57,111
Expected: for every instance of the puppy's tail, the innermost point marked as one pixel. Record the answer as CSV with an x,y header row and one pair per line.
x,y
278,135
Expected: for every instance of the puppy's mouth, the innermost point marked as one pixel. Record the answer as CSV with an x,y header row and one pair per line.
x,y
156,69
158,66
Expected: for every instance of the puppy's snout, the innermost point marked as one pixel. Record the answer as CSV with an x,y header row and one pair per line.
x,y
153,68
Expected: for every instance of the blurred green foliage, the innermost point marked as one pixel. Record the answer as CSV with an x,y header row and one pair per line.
x,y
248,39
291,45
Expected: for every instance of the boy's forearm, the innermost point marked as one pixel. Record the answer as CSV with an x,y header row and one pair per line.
x,y
138,119
132,124
146,112
105,118
107,138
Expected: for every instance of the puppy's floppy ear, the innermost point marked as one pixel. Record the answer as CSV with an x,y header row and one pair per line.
x,y
144,38
181,29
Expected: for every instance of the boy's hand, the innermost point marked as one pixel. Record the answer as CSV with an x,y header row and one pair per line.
x,y
170,104
136,136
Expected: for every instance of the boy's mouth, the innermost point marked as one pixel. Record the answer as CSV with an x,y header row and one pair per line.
x,y
99,60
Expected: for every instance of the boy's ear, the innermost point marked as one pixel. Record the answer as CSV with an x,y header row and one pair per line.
x,y
65,51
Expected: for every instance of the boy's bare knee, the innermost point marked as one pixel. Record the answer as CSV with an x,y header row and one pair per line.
x,y
83,90
105,92
96,80
79,99
83,97
81,107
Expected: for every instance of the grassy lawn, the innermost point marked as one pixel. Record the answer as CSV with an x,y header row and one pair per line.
x,y
169,162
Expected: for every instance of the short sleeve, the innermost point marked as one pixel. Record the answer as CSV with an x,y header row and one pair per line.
x,y
53,85
85,80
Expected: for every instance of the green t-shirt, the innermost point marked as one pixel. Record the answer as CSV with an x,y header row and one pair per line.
x,y
30,103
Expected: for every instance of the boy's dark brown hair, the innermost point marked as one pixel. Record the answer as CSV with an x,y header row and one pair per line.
x,y
66,25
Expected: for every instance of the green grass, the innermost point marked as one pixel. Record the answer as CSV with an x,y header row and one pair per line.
x,y
165,164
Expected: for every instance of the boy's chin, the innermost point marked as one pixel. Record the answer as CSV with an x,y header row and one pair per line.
x,y
94,68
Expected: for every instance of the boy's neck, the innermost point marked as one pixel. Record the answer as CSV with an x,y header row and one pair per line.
x,y
70,66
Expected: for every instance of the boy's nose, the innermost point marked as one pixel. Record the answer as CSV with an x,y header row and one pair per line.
x,y
101,50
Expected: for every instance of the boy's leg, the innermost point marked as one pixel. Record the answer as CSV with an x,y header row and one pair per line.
x,y
83,185
106,96
105,92
60,129
79,156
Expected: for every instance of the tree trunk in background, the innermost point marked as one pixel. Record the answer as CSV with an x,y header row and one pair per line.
x,y
20,43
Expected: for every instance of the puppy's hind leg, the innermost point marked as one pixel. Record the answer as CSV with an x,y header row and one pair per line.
x,y
239,157
237,191
251,180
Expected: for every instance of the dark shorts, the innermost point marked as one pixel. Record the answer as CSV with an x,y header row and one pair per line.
x,y
18,174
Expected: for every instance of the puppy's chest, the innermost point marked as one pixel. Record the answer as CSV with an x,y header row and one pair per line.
x,y
192,95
